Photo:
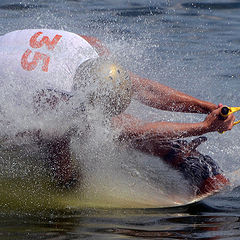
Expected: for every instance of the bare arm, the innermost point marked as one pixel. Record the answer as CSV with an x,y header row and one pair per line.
x,y
162,97
158,95
97,44
135,129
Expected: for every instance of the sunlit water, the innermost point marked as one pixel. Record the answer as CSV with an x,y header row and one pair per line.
x,y
193,47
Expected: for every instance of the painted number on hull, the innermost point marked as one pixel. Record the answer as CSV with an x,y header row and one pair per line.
x,y
38,56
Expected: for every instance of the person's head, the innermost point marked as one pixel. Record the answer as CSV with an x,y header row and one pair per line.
x,y
104,84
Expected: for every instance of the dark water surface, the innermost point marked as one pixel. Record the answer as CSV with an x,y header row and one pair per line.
x,y
198,221
193,46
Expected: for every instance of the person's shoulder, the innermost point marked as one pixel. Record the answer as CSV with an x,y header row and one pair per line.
x,y
97,44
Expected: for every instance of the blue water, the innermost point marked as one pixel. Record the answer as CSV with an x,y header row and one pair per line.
x,y
192,46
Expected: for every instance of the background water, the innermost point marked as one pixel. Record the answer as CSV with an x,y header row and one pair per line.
x,y
192,46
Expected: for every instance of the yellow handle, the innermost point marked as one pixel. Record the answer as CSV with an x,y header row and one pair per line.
x,y
237,122
234,109
226,111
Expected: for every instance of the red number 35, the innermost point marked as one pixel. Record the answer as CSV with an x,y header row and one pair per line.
x,y
38,56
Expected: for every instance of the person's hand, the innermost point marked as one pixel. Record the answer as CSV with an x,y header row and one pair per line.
x,y
211,107
214,122
220,105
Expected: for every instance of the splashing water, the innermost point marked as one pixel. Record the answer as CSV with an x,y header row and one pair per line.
x,y
114,175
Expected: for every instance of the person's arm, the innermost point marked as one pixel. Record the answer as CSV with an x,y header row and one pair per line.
x,y
133,129
158,95
162,97
97,44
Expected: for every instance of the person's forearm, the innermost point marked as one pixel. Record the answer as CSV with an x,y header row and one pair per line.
x,y
165,131
162,97
135,129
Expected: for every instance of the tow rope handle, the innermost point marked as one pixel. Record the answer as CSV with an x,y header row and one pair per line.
x,y
225,111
